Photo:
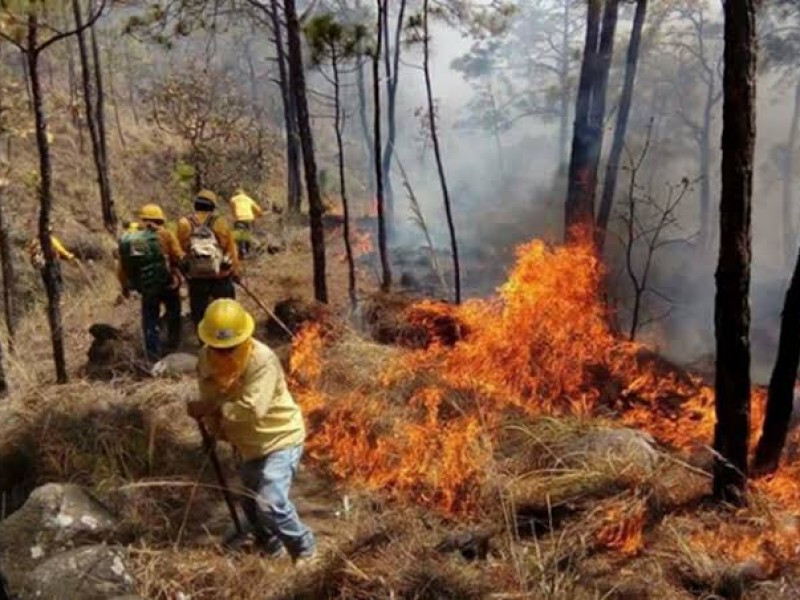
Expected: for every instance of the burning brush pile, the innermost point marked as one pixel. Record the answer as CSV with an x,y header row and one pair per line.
x,y
506,421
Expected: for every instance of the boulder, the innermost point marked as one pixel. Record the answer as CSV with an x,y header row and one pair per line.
x,y
175,365
96,572
55,517
624,451
113,352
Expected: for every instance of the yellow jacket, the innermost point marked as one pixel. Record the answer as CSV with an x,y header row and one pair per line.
x,y
58,248
222,231
258,415
244,208
170,248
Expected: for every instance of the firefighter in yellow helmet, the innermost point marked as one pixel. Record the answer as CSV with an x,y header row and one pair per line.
x,y
245,211
149,259
244,399
212,260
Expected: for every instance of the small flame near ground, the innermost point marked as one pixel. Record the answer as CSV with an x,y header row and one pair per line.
x,y
542,346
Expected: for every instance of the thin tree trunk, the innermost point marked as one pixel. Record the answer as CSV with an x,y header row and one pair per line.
x,y
293,185
705,170
369,148
386,280
112,91
732,309
339,125
620,131
579,206
91,122
75,113
392,65
563,82
46,203
27,78
110,213
9,276
780,397
438,153
788,182
315,208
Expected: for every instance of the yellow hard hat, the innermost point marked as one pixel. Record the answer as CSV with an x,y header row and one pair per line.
x,y
151,212
225,324
207,195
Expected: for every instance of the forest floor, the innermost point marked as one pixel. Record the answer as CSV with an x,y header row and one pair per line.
x,y
420,483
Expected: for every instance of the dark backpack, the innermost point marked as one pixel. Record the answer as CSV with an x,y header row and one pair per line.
x,y
144,262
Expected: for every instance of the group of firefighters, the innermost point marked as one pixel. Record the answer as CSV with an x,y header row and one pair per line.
x,y
243,394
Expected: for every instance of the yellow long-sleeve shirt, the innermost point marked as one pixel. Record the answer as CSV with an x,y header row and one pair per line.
x,y
244,208
258,414
170,248
34,247
221,229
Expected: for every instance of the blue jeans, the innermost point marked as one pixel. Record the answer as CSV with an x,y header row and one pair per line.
x,y
151,314
268,508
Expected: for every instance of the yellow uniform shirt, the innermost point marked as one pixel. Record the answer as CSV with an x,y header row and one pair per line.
x,y
244,208
59,250
258,414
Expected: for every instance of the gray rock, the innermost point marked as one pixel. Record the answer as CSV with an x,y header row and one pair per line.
x,y
175,365
624,451
55,517
96,572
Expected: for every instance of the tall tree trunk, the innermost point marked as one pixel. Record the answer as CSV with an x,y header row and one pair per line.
x,y
9,276
579,207
788,182
293,185
780,397
706,234
109,211
392,65
732,309
112,93
563,83
315,208
46,203
597,112
386,272
27,79
615,154
369,148
91,122
75,113
438,153
338,123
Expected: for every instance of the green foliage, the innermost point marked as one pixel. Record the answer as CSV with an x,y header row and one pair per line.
x,y
332,40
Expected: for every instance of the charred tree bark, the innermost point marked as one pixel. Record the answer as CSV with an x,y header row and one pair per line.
x,y
615,154
45,202
386,272
579,206
732,309
339,125
392,65
9,276
293,185
788,183
780,396
438,153
315,209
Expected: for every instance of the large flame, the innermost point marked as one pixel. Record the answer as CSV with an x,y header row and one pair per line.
x,y
542,346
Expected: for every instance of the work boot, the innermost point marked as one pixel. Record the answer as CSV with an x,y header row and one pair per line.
x,y
233,539
308,561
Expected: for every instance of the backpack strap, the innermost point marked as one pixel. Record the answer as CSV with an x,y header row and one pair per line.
x,y
210,220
